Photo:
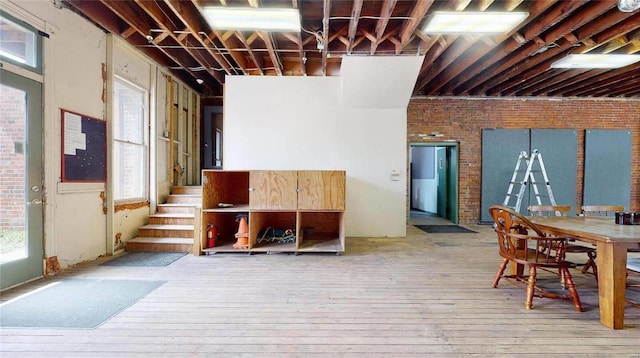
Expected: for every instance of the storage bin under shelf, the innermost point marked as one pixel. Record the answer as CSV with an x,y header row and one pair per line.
x,y
259,221
225,221
320,231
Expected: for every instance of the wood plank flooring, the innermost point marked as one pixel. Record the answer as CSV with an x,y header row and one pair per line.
x,y
423,295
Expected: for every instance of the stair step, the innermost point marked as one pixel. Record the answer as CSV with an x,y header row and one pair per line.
x,y
171,228
159,230
160,244
183,198
195,190
176,208
171,219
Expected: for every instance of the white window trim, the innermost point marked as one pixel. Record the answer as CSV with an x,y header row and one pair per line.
x,y
145,140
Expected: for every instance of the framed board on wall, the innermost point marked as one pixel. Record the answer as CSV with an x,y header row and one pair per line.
x,y
84,148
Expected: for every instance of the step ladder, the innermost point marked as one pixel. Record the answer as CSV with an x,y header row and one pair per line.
x,y
526,179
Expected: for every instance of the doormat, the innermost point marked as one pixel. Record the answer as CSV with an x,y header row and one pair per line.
x,y
74,303
444,229
144,258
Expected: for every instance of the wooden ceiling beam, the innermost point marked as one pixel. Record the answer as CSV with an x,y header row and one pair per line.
x,y
520,61
275,59
602,79
136,19
191,16
459,46
479,61
629,27
383,21
410,26
356,9
297,39
268,42
163,22
257,60
128,32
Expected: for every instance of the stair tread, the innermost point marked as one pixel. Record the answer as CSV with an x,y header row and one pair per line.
x,y
180,204
172,215
167,227
161,240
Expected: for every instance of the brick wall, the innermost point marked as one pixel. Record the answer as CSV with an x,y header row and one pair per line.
x,y
463,120
12,113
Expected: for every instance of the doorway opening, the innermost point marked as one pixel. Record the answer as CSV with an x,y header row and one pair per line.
x,y
433,181
211,141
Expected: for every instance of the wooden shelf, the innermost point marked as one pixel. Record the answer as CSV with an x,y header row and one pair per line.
x,y
233,209
310,203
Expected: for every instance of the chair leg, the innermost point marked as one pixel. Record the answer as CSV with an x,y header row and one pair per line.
x,y
531,284
572,289
591,263
501,269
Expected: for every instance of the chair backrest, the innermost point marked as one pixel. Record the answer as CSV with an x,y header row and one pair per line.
x,y
549,210
524,242
601,210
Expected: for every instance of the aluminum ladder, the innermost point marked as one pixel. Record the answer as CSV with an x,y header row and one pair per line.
x,y
526,179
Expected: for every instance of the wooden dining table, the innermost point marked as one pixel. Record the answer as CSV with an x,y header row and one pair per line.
x,y
612,241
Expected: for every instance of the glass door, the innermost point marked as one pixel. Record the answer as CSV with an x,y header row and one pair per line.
x,y
21,206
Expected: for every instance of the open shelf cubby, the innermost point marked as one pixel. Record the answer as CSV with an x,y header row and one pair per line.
x,y
308,205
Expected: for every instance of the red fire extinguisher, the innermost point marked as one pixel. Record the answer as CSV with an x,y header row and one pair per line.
x,y
212,235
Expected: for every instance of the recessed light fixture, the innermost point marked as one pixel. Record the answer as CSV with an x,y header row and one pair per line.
x,y
482,22
596,61
200,81
252,19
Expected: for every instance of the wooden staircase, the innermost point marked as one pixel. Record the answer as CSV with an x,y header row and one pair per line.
x,y
171,228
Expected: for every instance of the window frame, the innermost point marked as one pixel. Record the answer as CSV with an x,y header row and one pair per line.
x,y
122,81
37,45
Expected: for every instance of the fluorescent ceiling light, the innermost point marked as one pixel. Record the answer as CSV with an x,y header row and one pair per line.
x,y
252,19
596,61
484,22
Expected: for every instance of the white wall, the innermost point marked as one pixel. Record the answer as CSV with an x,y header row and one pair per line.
x,y
74,56
75,75
299,123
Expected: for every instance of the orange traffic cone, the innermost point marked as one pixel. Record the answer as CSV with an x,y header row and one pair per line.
x,y
243,233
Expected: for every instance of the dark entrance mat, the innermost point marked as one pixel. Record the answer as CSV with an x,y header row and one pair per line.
x,y
144,258
74,303
444,229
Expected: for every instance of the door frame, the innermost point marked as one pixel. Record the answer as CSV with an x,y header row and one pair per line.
x,y
453,180
31,267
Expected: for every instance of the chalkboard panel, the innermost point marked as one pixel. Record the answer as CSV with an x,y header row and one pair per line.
x,y
84,148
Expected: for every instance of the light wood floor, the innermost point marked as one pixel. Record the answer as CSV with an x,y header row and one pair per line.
x,y
423,295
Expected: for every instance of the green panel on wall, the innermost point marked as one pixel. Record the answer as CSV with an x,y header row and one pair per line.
x,y
559,153
500,150
607,167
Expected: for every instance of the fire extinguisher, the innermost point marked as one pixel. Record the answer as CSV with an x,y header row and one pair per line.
x,y
212,235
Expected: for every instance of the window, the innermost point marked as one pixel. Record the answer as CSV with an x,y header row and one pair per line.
x,y
130,142
20,44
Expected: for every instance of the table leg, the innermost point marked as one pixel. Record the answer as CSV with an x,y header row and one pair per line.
x,y
612,262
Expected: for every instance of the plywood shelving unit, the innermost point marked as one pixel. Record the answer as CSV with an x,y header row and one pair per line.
x,y
309,203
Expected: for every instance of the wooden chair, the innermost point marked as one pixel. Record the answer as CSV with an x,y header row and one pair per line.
x,y
633,269
563,210
523,243
601,210
549,210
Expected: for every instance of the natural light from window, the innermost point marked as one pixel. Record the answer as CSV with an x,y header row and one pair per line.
x,y
130,141
17,43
